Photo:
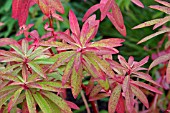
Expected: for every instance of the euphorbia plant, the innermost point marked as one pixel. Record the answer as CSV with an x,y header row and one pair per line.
x,y
36,71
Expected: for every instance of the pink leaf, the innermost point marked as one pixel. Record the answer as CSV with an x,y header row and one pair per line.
x,y
111,42
7,41
112,19
138,3
162,21
105,8
146,86
127,92
56,4
72,105
90,11
163,2
140,95
123,61
159,60
161,8
74,26
57,17
168,73
154,34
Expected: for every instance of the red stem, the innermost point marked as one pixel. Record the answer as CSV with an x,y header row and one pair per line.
x,y
93,103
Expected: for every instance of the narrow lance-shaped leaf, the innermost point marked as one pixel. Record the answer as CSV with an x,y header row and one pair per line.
x,y
159,60
58,101
57,5
14,99
161,8
6,98
114,98
30,102
112,19
37,69
146,86
105,8
9,77
90,11
127,92
18,50
76,81
120,106
140,95
42,103
74,23
162,21
163,2
96,89
168,73
67,71
138,3
153,35
7,41
147,23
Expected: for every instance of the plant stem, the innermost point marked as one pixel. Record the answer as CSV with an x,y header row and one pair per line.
x,y
94,107
93,103
85,102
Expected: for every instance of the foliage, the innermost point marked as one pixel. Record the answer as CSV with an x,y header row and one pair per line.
x,y
37,70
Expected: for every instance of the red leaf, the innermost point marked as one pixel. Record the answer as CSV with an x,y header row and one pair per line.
x,y
74,26
120,108
72,105
20,9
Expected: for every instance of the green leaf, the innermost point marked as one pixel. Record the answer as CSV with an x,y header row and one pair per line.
x,y
37,52
30,102
25,46
37,69
9,77
114,98
140,95
76,81
14,98
17,50
67,71
6,97
58,101
61,59
56,84
54,108
42,103
44,87
44,61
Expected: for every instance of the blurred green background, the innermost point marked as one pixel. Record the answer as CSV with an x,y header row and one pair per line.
x,y
133,15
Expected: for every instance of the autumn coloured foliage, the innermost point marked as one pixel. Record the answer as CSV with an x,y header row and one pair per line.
x,y
37,71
